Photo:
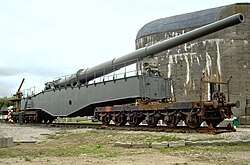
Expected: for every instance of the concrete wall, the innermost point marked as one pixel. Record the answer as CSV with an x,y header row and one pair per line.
x,y
217,56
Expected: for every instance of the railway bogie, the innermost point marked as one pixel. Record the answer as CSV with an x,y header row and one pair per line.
x,y
151,117
193,113
32,116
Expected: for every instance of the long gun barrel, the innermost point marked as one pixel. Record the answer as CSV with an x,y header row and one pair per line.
x,y
83,76
20,85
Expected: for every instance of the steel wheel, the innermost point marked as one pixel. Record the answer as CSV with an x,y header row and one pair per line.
x,y
134,120
172,121
105,119
192,121
120,120
152,121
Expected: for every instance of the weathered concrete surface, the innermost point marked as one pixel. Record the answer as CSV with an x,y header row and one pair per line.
x,y
219,56
141,145
6,142
244,120
182,143
156,145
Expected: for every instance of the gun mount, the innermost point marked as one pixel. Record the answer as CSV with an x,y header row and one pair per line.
x,y
16,99
83,76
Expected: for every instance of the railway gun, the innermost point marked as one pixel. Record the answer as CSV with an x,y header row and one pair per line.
x,y
144,96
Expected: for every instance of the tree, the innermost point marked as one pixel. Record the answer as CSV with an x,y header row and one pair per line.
x,y
4,102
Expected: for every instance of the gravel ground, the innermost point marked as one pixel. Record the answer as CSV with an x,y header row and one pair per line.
x,y
148,156
27,133
24,133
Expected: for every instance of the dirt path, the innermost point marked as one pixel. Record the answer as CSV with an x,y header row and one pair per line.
x,y
98,146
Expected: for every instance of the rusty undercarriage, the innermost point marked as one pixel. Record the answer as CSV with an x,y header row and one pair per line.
x,y
212,111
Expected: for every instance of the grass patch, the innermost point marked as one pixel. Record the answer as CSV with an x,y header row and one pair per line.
x,y
57,135
169,138
210,139
225,148
99,144
63,144
209,154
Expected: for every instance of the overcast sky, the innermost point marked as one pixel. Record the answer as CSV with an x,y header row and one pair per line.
x,y
41,40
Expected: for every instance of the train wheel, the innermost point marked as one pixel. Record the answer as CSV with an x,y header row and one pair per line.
x,y
51,121
172,121
193,121
134,120
15,120
105,119
39,120
120,120
27,120
45,121
152,121
214,123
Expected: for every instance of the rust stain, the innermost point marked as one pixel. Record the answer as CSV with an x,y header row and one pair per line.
x,y
107,109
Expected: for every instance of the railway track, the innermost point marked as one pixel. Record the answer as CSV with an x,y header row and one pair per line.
x,y
178,129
